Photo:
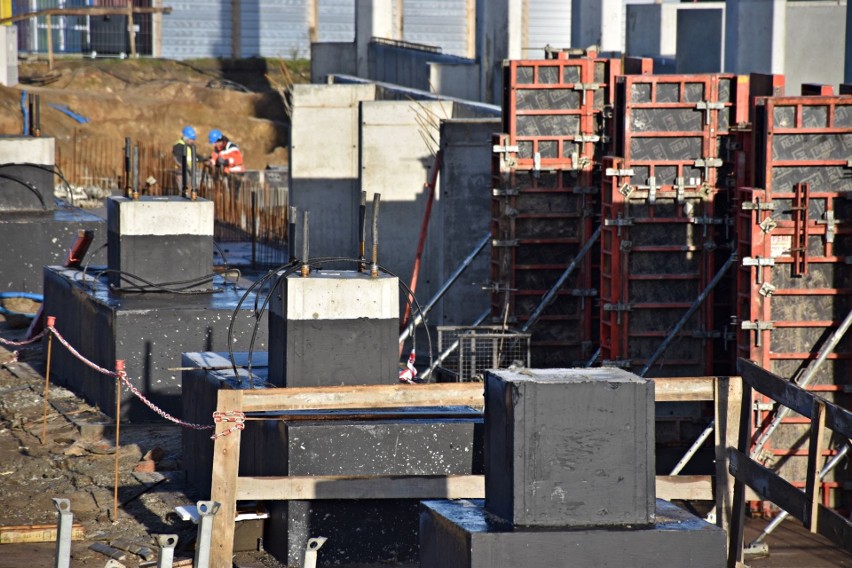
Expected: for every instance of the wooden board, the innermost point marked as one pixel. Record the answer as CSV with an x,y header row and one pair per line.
x,y
36,533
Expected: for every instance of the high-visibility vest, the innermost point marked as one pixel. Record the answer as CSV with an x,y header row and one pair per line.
x,y
184,153
232,154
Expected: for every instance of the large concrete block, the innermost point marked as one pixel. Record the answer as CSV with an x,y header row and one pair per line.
x,y
569,447
699,40
461,534
148,331
33,240
160,240
334,328
25,187
409,441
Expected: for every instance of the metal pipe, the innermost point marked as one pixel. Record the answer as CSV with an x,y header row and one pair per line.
x,y
443,356
374,268
206,511
127,167
440,293
805,379
193,168
830,465
685,318
305,268
292,214
362,232
184,185
167,544
64,527
37,119
694,448
554,290
136,170
594,358
31,115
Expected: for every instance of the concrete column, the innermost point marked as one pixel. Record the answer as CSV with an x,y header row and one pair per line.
x,y
373,18
847,68
598,22
499,36
754,36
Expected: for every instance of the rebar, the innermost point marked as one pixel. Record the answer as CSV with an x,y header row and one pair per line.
x,y
305,256
374,267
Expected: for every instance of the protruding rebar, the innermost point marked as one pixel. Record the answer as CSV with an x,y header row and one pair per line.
x,y
374,267
64,527
306,270
128,188
362,233
292,214
37,117
193,169
135,172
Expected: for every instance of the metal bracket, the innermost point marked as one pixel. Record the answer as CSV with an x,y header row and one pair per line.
x,y
830,226
497,149
508,192
681,185
587,86
620,363
757,326
708,163
506,243
757,206
764,406
537,161
766,290
618,172
758,262
619,223
652,188
707,106
768,225
618,309
314,544
587,138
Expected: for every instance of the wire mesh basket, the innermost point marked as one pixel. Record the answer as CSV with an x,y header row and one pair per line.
x,y
475,349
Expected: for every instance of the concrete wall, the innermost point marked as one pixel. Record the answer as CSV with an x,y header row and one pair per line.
x,y
464,216
754,35
330,58
459,80
324,163
395,161
651,30
815,43
499,35
700,40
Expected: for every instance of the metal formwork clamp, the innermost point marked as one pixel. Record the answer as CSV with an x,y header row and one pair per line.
x,y
757,205
314,544
585,87
708,106
758,262
758,327
505,192
618,172
587,138
619,363
766,290
681,185
830,226
652,188
768,225
618,222
506,243
618,309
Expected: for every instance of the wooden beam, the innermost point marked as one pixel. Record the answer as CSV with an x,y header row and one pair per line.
x,y
313,21
49,43
817,440
36,533
736,531
729,394
92,11
361,487
685,487
684,389
131,31
374,396
226,461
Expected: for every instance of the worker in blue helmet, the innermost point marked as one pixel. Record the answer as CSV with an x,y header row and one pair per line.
x,y
182,153
226,154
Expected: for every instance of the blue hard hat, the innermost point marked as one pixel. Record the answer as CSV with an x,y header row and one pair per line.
x,y
188,132
214,136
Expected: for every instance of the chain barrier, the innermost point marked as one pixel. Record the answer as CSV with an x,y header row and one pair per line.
x,y
235,416
22,343
12,359
123,376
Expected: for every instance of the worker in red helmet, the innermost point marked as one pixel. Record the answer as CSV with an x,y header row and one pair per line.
x,y
226,154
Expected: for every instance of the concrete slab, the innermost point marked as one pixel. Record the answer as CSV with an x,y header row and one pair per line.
x,y
569,447
461,534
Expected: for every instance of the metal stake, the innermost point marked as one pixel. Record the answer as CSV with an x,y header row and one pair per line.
x,y
167,544
119,368
51,321
314,544
65,520
206,510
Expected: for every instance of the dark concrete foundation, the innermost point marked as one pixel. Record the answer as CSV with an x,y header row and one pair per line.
x,y
462,534
148,331
32,240
569,447
410,441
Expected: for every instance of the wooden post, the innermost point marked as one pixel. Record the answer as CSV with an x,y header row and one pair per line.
x,y
49,43
131,32
157,30
815,449
470,29
313,20
728,397
735,534
226,461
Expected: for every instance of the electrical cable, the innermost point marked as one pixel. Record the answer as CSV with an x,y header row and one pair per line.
x,y
29,186
54,169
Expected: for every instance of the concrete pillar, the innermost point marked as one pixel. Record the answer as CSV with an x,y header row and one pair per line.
x,y
373,18
499,36
598,22
8,56
847,67
754,36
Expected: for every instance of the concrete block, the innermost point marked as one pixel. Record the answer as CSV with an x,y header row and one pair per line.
x,y
149,332
569,447
334,328
26,188
32,240
700,43
159,239
461,534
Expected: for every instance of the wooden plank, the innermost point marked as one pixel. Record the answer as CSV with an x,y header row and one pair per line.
x,y
829,524
49,43
373,396
361,487
684,389
817,438
36,533
685,487
728,402
131,32
91,11
737,528
794,397
226,460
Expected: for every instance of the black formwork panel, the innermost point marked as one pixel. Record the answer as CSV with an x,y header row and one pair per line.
x,y
540,222
795,276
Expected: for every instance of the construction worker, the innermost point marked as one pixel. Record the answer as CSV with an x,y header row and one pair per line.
x,y
226,154
182,153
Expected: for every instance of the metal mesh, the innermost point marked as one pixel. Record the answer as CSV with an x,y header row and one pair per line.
x,y
474,350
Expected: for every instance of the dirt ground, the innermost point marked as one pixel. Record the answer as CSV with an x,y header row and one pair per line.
x,y
150,101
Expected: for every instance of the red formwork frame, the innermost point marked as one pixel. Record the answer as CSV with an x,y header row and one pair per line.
x,y
512,188
620,229
780,227
582,77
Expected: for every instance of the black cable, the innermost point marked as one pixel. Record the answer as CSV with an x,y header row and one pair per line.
x,y
54,169
28,185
